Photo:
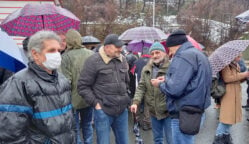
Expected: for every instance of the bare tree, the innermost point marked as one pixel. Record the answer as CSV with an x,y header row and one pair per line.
x,y
201,17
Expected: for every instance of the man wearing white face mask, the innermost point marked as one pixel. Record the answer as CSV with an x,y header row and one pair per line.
x,y
35,103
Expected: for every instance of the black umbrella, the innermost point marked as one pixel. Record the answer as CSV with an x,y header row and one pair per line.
x,y
136,131
90,40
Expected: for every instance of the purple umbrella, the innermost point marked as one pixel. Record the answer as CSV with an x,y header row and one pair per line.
x,y
35,17
143,33
225,54
138,45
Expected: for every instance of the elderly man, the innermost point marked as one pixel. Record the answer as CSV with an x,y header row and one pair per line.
x,y
103,84
154,98
187,86
35,103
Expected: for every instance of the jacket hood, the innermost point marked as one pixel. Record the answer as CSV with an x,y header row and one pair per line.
x,y
73,39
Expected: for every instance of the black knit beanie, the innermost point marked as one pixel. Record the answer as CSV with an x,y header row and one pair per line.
x,y
177,37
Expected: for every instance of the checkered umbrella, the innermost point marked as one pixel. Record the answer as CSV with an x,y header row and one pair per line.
x,y
35,17
225,54
143,33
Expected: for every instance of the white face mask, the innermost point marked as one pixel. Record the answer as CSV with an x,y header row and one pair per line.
x,y
53,60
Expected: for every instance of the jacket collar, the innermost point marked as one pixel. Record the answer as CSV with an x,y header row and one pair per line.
x,y
183,47
42,73
105,58
148,67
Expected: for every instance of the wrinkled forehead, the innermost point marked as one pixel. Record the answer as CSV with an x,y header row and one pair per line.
x,y
51,45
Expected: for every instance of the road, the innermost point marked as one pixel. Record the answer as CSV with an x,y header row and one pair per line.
x,y
240,131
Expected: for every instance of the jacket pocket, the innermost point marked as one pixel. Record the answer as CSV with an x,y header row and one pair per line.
x,y
105,75
123,73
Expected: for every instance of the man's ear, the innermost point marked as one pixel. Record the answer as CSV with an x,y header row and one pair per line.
x,y
34,54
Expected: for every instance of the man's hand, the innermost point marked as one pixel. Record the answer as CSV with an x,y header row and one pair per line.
x,y
133,108
155,82
98,107
161,78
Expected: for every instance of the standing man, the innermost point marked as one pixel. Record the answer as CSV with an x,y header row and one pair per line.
x,y
103,83
72,62
153,97
35,103
142,114
187,82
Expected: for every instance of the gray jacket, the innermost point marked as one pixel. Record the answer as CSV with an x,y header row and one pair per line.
x,y
36,107
104,81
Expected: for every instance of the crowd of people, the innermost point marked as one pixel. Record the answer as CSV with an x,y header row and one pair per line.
x,y
67,88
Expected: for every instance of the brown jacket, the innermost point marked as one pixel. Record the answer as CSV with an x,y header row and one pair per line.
x,y
231,111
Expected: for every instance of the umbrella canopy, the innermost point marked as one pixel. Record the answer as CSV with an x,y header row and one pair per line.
x,y
243,17
143,33
11,56
139,45
225,54
35,17
90,40
194,43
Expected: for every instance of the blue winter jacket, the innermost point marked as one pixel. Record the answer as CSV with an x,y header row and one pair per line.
x,y
188,79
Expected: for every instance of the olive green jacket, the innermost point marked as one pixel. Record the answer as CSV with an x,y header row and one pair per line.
x,y
153,97
72,63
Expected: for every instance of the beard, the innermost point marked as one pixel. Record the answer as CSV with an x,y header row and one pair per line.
x,y
158,61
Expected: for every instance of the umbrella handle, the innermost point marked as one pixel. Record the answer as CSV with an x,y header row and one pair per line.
x,y
134,118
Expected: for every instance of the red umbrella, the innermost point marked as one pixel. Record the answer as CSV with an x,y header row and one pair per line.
x,y
35,17
193,41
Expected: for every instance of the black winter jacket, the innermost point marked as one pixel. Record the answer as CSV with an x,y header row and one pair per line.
x,y
105,84
36,107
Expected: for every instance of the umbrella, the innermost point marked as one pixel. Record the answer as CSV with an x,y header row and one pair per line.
x,y
138,139
194,43
143,33
11,55
243,17
90,40
139,45
225,54
35,17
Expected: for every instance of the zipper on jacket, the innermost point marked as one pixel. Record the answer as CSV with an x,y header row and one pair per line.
x,y
58,92
117,75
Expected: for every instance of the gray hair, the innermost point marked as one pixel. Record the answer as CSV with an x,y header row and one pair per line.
x,y
36,41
